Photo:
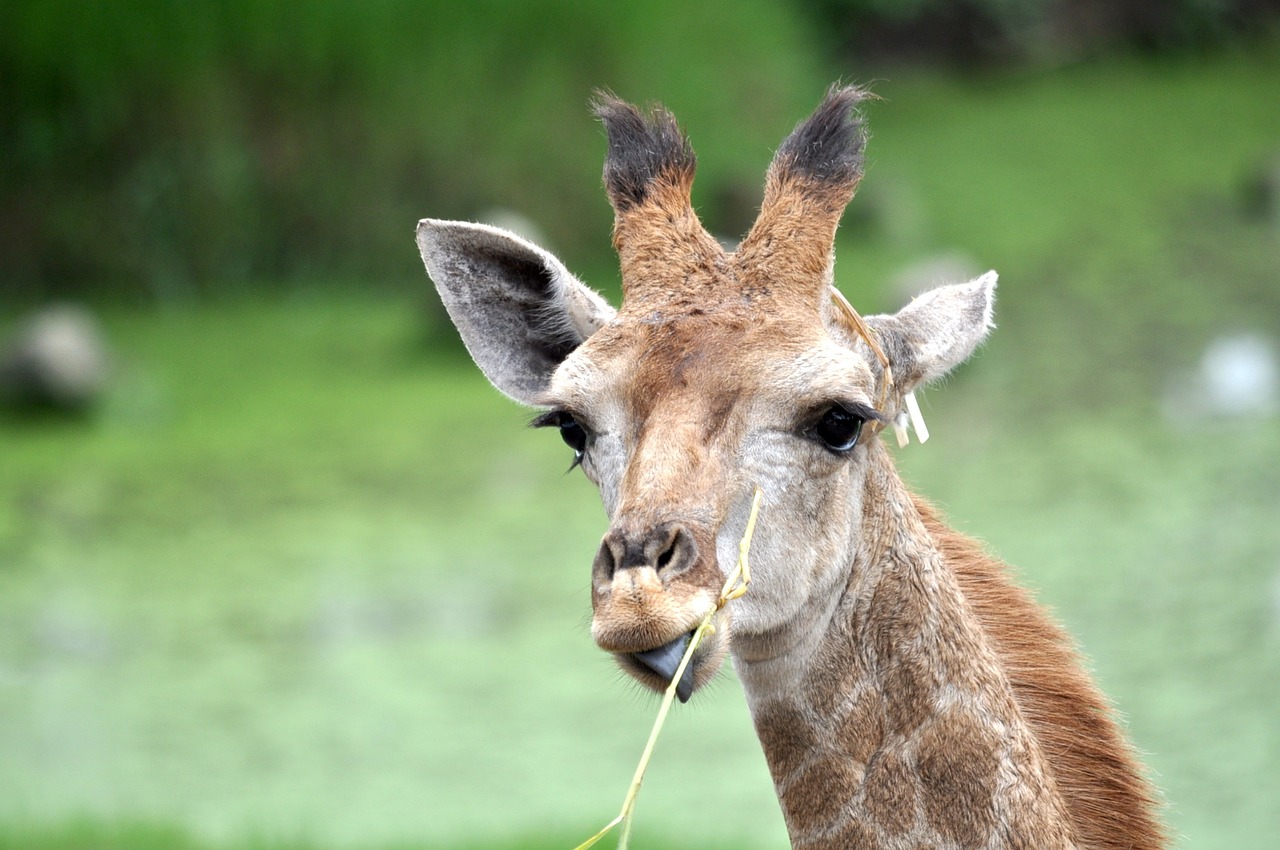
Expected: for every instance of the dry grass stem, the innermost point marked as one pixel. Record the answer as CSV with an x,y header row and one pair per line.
x,y
861,329
734,587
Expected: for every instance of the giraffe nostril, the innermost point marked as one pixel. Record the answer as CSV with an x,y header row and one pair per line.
x,y
665,558
608,558
679,552
665,547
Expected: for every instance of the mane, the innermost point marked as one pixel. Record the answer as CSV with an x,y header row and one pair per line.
x,y
1110,803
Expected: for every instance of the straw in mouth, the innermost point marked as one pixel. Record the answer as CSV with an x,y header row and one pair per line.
x,y
664,660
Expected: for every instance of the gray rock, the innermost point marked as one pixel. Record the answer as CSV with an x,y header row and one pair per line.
x,y
57,358
932,271
1237,377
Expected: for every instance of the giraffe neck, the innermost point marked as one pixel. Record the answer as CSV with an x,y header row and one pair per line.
x,y
894,725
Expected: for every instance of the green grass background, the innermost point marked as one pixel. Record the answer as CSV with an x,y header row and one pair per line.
x,y
306,581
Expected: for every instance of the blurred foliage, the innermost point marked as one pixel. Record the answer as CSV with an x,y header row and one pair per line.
x,y
91,835
259,581
166,149
966,33
293,546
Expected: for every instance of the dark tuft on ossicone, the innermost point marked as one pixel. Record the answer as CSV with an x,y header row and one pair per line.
x,y
642,150
828,145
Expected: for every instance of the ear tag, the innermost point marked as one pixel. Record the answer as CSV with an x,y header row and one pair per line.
x,y
900,429
917,418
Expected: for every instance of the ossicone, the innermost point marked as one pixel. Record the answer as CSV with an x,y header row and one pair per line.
x,y
648,173
645,151
827,147
811,180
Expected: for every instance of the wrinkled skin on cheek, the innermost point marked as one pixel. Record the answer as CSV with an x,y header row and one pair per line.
x,y
603,465
803,533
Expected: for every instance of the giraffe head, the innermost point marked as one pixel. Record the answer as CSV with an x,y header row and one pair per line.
x,y
720,372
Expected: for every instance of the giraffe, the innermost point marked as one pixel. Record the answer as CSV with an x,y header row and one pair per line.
x,y
905,691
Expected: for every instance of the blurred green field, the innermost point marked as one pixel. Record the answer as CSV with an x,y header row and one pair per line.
x,y
306,581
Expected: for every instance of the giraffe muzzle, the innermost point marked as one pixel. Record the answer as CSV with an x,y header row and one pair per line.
x,y
665,659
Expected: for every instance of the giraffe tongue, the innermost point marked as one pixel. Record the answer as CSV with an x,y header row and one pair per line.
x,y
665,659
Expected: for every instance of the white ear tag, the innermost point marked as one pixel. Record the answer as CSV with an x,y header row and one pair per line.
x,y
917,418
900,429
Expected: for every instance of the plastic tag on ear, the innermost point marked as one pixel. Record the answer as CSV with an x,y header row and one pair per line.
x,y
913,415
900,429
917,418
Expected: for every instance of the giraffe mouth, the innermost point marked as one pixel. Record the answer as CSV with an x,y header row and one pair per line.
x,y
665,659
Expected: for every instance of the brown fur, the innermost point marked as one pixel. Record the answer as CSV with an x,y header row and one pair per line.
x,y
648,173
868,726
1110,804
903,727
810,182
1071,762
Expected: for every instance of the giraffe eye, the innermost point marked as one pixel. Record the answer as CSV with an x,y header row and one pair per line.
x,y
838,429
573,434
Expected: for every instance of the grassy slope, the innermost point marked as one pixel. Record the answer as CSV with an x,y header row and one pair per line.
x,y
298,537
307,581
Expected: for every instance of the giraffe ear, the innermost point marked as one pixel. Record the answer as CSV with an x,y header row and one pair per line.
x,y
519,310
937,331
